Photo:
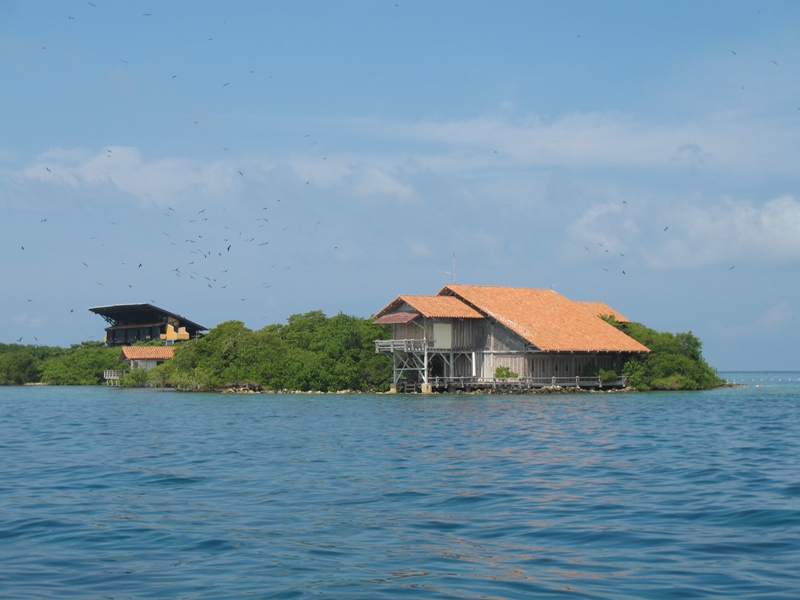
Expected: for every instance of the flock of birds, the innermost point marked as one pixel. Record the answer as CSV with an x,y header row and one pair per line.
x,y
666,228
604,250
202,247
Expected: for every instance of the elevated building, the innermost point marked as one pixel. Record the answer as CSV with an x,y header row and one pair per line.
x,y
461,336
129,323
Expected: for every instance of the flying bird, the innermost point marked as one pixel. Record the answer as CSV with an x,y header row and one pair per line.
x,y
667,227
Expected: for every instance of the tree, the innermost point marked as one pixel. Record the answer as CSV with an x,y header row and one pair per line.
x,y
311,352
81,364
675,361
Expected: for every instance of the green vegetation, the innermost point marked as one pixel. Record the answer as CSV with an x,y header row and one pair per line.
x,y
312,352
675,361
504,373
595,371
81,364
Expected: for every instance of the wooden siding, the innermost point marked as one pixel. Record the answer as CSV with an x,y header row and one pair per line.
x,y
407,331
502,340
566,365
491,345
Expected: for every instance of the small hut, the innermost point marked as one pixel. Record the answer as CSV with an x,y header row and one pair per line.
x,y
146,357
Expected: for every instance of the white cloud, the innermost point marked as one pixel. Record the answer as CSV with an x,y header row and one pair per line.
x,y
732,231
722,141
773,320
372,181
727,233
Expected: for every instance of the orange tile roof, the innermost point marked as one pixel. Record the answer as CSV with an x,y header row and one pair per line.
x,y
146,352
546,319
601,308
443,307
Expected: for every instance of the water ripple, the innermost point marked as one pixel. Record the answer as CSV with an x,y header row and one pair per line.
x,y
142,494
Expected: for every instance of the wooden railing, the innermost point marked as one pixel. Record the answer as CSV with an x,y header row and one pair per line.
x,y
526,382
399,346
113,376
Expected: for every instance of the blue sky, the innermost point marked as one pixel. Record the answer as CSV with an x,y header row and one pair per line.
x,y
261,159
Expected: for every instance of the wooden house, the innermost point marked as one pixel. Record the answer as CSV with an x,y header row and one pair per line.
x,y
459,337
129,323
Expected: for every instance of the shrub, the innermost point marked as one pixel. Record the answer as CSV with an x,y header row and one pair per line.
x,y
504,373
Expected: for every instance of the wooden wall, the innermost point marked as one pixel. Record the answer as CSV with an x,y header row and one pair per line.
x,y
496,346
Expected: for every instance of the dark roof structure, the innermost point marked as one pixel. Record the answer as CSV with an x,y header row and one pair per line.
x,y
140,314
130,323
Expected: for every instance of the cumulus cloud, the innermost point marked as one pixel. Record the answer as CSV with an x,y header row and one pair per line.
x,y
593,228
689,234
162,181
124,168
595,139
772,320
775,318
732,230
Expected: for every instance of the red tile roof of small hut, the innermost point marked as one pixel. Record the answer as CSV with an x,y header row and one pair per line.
x,y
545,318
443,307
147,353
396,318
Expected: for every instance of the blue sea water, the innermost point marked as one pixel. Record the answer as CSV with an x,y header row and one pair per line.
x,y
108,493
